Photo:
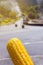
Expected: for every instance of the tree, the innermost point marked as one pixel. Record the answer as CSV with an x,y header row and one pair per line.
x,y
12,14
4,11
32,15
30,11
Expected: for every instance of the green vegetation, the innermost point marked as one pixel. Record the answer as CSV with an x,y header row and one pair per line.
x,y
7,16
12,14
30,11
33,15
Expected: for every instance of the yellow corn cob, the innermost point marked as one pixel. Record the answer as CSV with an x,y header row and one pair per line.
x,y
18,53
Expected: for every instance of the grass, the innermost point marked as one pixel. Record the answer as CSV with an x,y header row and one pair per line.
x,y
7,21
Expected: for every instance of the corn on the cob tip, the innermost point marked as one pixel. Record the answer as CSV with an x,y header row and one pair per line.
x,y
19,51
